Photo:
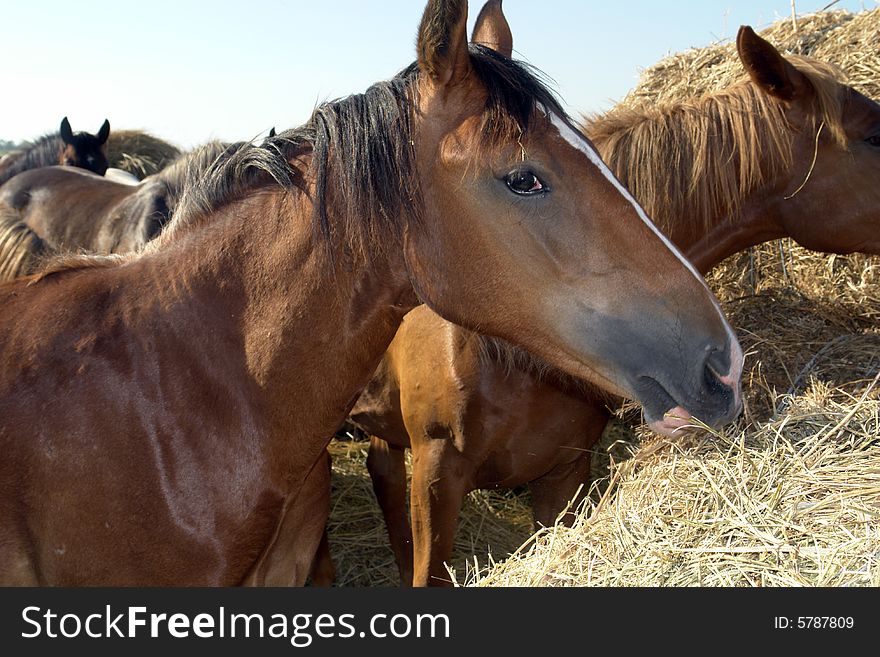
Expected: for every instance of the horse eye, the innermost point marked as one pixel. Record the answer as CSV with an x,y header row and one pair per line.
x,y
874,140
525,183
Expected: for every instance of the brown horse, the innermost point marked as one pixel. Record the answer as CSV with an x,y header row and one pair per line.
x,y
68,209
720,174
164,416
67,148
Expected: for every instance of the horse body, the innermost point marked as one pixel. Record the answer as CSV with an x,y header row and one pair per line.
x,y
189,381
204,509
72,210
478,419
472,422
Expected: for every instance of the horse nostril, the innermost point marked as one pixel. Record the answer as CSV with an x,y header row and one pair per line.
x,y
717,362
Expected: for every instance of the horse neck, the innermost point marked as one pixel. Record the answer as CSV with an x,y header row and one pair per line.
x,y
706,233
754,223
312,329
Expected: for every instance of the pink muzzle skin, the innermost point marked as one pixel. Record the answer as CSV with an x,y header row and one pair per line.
x,y
673,422
677,419
734,377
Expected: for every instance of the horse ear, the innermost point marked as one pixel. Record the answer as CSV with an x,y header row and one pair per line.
x,y
767,68
272,131
66,132
491,29
442,42
104,132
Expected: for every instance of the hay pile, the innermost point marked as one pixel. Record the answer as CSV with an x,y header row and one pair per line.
x,y
849,41
796,502
790,495
139,153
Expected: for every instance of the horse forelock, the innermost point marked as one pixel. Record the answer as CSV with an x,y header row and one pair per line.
x,y
718,148
516,93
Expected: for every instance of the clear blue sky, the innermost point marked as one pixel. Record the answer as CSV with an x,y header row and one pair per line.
x,y
229,69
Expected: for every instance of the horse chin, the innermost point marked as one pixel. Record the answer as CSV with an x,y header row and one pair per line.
x,y
674,422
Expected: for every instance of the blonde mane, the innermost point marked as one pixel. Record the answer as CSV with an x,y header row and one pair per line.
x,y
697,159
20,247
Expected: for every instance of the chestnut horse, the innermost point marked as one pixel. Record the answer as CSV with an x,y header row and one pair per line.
x,y
719,174
51,210
67,148
164,415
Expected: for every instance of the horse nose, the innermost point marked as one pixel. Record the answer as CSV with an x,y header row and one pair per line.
x,y
717,360
722,368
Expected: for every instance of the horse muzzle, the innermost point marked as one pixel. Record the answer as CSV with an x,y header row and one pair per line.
x,y
711,397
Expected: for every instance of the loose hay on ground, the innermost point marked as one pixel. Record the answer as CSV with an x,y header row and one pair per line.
x,y
796,502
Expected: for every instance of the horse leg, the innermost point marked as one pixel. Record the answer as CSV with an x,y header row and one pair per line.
x,y
563,487
17,567
387,467
323,569
441,477
289,560
567,484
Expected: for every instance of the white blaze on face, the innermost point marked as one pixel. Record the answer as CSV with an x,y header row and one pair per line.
x,y
582,145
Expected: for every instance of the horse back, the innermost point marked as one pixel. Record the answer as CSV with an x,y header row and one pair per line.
x,y
65,206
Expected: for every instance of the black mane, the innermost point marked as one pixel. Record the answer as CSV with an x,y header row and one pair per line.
x,y
361,153
189,167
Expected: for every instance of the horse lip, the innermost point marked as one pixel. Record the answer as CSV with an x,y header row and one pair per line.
x,y
653,388
675,416
675,421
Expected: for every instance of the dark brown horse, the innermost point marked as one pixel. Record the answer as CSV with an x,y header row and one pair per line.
x,y
71,210
720,174
164,416
67,148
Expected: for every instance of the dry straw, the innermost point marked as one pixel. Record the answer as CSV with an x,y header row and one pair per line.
x,y
139,153
794,502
